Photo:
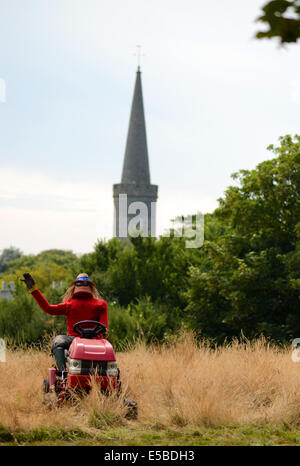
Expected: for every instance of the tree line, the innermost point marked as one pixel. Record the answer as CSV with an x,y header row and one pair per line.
x,y
244,279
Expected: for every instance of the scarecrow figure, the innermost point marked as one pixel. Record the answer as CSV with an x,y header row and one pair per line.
x,y
81,301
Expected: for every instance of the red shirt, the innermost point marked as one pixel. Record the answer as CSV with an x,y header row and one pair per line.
x,y
82,306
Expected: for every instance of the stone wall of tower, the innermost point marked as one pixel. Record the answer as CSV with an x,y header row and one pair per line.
x,y
146,194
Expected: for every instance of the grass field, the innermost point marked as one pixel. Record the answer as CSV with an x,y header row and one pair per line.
x,y
188,394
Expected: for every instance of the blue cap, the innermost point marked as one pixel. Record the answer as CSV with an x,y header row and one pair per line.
x,y
84,278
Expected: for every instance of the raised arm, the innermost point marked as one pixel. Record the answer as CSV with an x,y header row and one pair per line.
x,y
52,309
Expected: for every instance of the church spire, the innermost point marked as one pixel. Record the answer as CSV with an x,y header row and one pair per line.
x,y
136,163
135,198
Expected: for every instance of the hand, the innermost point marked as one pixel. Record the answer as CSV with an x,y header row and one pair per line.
x,y
28,280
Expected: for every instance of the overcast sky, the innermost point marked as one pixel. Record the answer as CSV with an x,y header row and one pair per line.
x,y
214,99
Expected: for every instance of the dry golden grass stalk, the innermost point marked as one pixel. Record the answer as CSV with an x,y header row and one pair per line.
x,y
181,384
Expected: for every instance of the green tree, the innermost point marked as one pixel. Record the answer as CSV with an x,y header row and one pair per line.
x,y
21,319
250,278
60,257
283,20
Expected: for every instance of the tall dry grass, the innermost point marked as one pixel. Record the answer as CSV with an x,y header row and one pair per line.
x,y
182,384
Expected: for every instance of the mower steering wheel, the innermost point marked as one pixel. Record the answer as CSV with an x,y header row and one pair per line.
x,y
89,332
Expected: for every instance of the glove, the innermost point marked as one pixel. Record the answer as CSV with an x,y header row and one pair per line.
x,y
29,281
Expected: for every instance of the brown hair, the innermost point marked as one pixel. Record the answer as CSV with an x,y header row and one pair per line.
x,y
69,293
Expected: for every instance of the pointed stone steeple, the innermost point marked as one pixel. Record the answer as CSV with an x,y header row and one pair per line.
x,y
136,164
141,196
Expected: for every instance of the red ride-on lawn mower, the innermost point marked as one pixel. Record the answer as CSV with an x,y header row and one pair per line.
x,y
87,356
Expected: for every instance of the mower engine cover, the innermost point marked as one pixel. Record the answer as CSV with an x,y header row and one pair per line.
x,y
91,349
92,357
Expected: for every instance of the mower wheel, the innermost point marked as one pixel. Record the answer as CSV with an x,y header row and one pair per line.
x,y
46,386
50,400
131,408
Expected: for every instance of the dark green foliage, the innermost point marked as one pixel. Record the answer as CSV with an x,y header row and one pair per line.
x,y
250,282
21,320
123,327
283,20
59,257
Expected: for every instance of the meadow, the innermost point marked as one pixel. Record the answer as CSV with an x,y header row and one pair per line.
x,y
188,393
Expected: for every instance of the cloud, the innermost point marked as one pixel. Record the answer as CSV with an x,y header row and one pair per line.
x,y
172,203
37,190
38,212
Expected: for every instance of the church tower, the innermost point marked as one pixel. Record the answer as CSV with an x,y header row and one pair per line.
x,y
135,197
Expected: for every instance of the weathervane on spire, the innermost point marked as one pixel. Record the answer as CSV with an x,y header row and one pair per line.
x,y
139,55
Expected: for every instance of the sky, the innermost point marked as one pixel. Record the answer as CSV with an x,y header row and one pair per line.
x,y
215,98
